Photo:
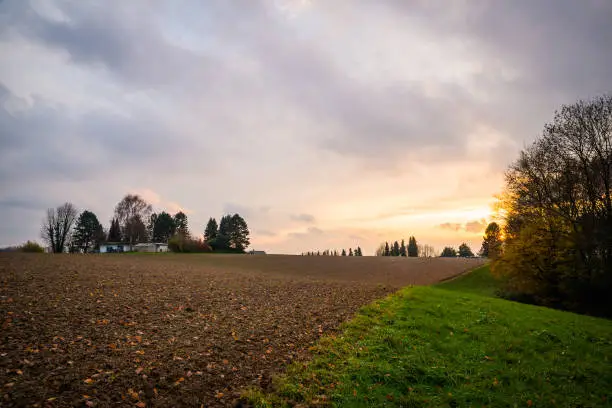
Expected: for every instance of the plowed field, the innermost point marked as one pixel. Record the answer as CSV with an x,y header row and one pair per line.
x,y
176,330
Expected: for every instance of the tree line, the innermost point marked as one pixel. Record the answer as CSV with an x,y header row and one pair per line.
x,y
557,214
399,249
135,222
329,252
464,251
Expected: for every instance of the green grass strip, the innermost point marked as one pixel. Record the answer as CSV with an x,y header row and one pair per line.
x,y
445,347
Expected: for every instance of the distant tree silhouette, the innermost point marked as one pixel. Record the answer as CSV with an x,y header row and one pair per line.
x,y
402,249
448,252
465,251
492,241
413,248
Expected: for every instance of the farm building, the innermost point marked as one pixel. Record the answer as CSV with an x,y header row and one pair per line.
x,y
114,247
151,247
253,252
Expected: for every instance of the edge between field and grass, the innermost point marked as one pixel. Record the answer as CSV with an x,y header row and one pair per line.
x,y
453,345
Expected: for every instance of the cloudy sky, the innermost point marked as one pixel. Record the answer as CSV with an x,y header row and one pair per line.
x,y
326,124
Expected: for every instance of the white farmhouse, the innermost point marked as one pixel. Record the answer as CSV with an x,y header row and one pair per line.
x,y
151,247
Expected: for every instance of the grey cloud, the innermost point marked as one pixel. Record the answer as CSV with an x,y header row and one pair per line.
x,y
308,218
559,46
47,141
122,37
369,120
22,204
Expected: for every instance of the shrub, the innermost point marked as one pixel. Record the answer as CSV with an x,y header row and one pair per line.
x,y
32,246
181,243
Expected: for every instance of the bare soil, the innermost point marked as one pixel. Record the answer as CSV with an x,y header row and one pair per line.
x,y
176,330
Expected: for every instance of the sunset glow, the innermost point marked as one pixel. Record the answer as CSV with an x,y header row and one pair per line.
x,y
324,124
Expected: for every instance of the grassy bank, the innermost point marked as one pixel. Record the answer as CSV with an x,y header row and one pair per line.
x,y
450,346
479,282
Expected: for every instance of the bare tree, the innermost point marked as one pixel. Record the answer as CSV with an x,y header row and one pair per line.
x,y
131,211
426,251
57,225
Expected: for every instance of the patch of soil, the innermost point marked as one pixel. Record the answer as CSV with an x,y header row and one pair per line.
x,y
175,330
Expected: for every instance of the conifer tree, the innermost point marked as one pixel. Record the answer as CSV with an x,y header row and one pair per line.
x,y
396,249
413,248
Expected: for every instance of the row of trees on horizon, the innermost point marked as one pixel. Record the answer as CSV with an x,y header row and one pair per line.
x,y
135,222
329,252
414,250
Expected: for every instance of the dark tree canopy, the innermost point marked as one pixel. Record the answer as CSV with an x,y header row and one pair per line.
x,y
114,232
558,212
402,250
88,232
57,226
395,250
164,227
343,252
465,251
211,231
413,248
387,250
492,241
232,235
239,233
448,252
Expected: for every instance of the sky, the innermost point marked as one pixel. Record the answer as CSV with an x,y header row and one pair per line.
x,y
324,124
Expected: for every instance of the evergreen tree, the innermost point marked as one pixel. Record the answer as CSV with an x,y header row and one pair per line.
x,y
350,252
222,240
211,231
114,233
239,233
403,249
387,251
164,227
413,248
343,252
88,232
359,251
396,249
